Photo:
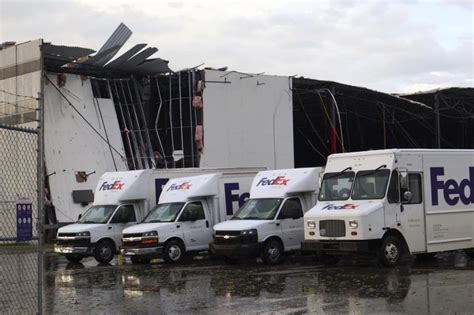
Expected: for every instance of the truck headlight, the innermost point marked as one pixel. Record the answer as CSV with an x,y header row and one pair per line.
x,y
249,232
83,234
311,224
353,224
151,233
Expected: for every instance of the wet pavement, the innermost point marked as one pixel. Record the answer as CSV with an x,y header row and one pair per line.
x,y
299,286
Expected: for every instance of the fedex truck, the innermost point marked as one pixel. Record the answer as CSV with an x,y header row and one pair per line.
x,y
123,199
393,202
181,223
270,223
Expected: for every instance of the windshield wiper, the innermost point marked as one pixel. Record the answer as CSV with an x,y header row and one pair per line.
x,y
153,221
341,172
89,222
236,218
374,171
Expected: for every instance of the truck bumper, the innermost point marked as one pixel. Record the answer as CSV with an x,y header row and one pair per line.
x,y
148,252
240,250
76,250
336,246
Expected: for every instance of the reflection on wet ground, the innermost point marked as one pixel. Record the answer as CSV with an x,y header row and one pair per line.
x,y
432,286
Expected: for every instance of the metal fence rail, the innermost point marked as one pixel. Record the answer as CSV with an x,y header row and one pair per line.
x,y
20,247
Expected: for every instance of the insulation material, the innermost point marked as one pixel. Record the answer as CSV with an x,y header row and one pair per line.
x,y
199,138
197,102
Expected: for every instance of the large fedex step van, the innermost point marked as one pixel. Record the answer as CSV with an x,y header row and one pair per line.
x,y
393,202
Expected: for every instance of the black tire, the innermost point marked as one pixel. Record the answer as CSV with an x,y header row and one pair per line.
x,y
139,261
272,253
390,251
104,251
173,252
74,258
328,260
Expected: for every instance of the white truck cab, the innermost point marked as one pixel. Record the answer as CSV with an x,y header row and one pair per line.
x,y
393,202
271,221
119,201
181,223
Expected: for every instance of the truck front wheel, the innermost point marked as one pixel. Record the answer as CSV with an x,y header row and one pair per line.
x,y
390,251
104,251
272,252
173,252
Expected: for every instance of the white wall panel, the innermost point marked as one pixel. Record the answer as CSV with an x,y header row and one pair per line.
x,y
248,122
71,145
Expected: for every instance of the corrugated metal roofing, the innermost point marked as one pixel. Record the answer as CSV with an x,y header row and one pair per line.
x,y
121,34
124,57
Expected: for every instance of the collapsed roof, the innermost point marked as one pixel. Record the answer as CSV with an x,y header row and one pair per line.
x,y
79,60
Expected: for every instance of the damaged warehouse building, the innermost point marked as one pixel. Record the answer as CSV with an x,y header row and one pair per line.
x,y
105,112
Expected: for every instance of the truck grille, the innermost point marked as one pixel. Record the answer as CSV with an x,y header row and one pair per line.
x,y
332,228
228,233
234,238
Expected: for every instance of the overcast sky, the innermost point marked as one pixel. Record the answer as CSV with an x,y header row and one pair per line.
x,y
391,45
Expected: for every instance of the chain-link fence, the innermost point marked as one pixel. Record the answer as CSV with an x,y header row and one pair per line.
x,y
20,233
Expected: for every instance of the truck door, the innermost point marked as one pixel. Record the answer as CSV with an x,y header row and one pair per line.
x,y
412,216
291,222
124,216
194,224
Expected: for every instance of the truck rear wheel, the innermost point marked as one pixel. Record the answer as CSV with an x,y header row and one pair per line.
x,y
104,251
390,251
74,258
272,252
173,252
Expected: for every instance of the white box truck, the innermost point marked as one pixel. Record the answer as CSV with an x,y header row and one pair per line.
x,y
270,223
122,199
181,223
393,202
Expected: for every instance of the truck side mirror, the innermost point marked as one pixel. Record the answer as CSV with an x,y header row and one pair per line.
x,y
407,195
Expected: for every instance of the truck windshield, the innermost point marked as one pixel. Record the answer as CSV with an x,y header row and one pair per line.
x,y
336,186
258,209
98,214
165,212
370,184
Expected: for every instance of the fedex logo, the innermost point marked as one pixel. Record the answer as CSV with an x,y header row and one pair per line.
x,y
343,207
230,196
183,185
117,185
452,190
279,181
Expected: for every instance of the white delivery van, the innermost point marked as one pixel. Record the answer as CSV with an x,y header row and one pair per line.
x,y
271,221
181,223
122,199
393,202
